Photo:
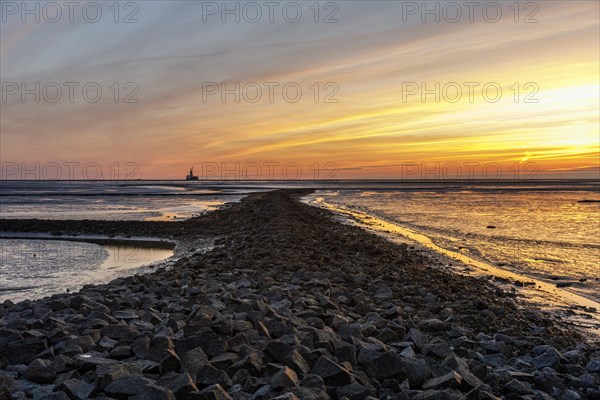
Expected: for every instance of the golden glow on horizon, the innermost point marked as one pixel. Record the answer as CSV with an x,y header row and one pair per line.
x,y
548,112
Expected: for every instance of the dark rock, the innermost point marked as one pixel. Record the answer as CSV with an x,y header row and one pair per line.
x,y
201,314
408,352
41,371
126,386
7,386
450,380
121,352
272,305
53,396
415,336
549,358
493,346
480,304
107,343
388,365
521,376
262,329
141,347
180,384
159,347
187,343
593,394
283,379
106,374
346,352
326,302
309,393
63,363
593,366
86,362
225,360
194,360
387,335
278,350
24,351
210,375
571,395
213,392
366,355
264,392
494,360
170,362
70,350
119,332
73,374
417,371
125,315
296,362
517,387
437,349
252,362
153,392
313,381
332,374
286,396
14,371
469,380
76,389
213,345
455,362
355,391
433,324
252,384
85,342
148,366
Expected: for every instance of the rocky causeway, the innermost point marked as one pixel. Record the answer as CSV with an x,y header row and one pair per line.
x,y
288,303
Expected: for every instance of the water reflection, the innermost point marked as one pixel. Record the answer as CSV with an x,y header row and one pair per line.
x,y
35,268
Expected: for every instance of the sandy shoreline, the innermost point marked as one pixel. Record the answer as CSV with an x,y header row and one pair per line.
x,y
288,303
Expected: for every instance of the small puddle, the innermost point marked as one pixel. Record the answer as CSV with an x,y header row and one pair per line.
x,y
32,267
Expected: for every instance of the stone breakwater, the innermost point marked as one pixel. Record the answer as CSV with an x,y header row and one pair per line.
x,y
288,305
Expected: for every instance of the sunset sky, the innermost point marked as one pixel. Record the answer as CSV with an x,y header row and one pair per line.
x,y
372,61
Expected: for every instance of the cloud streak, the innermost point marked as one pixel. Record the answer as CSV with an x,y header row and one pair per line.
x,y
370,55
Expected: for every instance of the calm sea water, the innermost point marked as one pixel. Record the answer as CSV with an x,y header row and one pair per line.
x,y
149,201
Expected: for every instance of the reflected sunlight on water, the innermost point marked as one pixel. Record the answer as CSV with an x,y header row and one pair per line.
x,y
32,268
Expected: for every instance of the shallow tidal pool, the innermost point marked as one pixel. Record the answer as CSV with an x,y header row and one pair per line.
x,y
35,268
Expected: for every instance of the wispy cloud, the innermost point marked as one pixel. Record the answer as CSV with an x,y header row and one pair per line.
x,y
370,54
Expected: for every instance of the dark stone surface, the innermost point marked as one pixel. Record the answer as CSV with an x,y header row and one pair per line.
x,y
287,304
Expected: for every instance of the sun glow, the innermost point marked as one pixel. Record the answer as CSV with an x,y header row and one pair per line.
x,y
542,105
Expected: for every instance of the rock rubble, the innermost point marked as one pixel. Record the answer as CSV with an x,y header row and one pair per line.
x,y
290,305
